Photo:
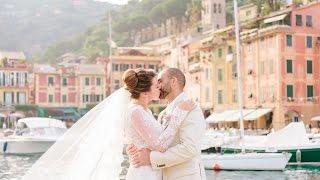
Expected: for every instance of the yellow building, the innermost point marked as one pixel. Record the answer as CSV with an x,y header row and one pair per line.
x,y
14,79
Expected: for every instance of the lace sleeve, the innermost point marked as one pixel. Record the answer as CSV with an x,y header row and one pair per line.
x,y
155,139
168,134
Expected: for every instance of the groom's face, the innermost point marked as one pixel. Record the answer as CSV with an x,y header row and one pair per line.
x,y
165,84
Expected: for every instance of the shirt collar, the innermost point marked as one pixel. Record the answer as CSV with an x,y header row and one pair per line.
x,y
182,96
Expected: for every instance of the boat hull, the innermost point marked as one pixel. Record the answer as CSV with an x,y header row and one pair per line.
x,y
306,155
246,161
24,147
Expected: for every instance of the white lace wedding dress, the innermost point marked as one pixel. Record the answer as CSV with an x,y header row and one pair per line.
x,y
144,131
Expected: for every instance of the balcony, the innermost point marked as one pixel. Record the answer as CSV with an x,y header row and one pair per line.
x,y
195,67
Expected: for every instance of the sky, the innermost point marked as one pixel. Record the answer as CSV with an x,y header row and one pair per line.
x,y
114,1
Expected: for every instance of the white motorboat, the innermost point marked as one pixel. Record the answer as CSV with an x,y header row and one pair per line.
x,y
32,135
246,161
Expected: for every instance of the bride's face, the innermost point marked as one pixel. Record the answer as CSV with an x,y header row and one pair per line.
x,y
154,92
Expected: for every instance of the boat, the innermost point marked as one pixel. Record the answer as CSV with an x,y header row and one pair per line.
x,y
246,161
291,139
32,135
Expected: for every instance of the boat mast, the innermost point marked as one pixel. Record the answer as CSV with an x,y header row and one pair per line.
x,y
239,75
110,51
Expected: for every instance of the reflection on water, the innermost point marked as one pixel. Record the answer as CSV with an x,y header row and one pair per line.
x,y
13,167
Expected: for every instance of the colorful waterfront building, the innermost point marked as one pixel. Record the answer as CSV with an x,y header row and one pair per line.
x,y
77,85
15,79
280,68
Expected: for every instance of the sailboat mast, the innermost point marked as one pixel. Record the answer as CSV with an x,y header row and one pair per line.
x,y
239,75
110,51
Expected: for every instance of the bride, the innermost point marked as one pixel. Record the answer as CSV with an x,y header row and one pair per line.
x,y
93,147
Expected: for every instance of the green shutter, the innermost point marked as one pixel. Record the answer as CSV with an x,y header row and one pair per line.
x,y
289,66
309,67
289,90
309,91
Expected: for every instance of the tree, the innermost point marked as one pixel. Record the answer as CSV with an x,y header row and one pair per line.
x,y
193,12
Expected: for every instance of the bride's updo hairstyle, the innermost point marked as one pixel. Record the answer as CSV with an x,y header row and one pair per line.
x,y
137,81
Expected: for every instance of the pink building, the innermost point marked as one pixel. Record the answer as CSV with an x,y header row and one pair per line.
x,y
77,85
281,64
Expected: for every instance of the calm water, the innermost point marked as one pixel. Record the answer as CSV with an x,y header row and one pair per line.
x,y
13,167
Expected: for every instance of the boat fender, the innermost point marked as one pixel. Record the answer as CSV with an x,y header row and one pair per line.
x,y
5,145
216,167
298,156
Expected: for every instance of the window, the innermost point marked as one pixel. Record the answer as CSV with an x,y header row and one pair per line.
x,y
50,98
229,49
248,13
309,67
298,20
219,74
139,65
64,98
124,67
234,96
152,67
115,67
207,95
87,81
220,96
289,40
309,21
249,47
290,91
289,66
207,74
309,41
215,8
98,81
220,52
271,67
64,81
50,81
219,9
309,92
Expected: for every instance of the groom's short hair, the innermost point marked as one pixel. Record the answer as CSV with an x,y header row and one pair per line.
x,y
177,73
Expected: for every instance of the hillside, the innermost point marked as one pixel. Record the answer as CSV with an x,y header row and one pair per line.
x,y
31,25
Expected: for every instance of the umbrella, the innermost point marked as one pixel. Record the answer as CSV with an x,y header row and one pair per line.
x,y
316,118
16,115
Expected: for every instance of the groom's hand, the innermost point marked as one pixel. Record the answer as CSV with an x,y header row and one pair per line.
x,y
141,158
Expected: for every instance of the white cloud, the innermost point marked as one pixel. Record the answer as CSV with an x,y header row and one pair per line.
x,y
121,2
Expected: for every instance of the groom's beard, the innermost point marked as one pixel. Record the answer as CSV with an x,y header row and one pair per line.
x,y
164,93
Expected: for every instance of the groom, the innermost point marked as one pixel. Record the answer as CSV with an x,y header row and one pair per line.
x,y
182,159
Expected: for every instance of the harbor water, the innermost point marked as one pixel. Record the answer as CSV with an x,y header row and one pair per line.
x,y
14,167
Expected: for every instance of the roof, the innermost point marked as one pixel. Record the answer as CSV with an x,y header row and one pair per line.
x,y
91,69
12,55
44,68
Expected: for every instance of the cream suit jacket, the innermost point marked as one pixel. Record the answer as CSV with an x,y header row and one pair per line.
x,y
182,160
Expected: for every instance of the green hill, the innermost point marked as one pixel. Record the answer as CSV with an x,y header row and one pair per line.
x,y
31,25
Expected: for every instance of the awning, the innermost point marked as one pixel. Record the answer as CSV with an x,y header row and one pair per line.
x,y
257,113
276,18
236,117
316,118
220,117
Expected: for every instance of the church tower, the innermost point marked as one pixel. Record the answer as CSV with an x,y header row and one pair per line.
x,y
213,15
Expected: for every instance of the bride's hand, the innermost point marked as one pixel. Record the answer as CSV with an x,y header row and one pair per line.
x,y
187,105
